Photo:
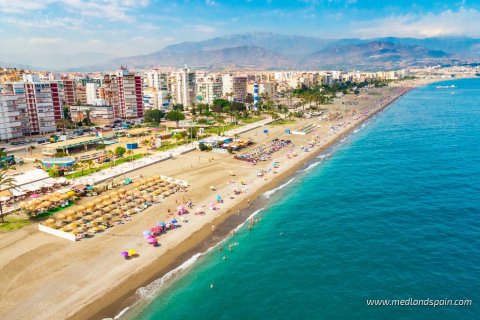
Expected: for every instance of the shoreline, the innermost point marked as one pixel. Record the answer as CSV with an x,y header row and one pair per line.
x,y
116,300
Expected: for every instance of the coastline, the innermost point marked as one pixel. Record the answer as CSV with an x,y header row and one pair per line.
x,y
112,303
45,277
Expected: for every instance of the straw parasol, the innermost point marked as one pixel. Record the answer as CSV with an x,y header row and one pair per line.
x,y
88,217
79,230
70,213
80,208
99,220
90,205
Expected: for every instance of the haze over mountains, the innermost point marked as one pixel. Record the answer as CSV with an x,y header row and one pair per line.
x,y
276,51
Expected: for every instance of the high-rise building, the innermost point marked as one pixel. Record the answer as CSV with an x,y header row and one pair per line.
x,y
69,94
91,92
234,88
123,91
160,82
185,87
39,104
209,88
10,124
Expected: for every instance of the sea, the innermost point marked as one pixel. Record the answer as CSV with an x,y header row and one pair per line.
x,y
390,213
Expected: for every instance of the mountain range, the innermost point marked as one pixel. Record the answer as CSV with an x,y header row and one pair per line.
x,y
262,50
276,51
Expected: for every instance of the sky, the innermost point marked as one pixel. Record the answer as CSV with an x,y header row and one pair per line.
x,y
34,30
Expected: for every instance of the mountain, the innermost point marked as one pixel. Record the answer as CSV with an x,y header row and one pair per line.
x,y
291,46
235,57
276,51
374,55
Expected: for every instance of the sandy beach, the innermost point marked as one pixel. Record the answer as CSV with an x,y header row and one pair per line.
x,y
45,277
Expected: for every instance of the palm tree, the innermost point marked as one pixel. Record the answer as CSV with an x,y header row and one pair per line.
x,y
6,182
111,154
129,153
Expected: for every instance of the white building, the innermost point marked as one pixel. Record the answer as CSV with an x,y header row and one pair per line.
x,y
91,92
185,87
10,124
209,88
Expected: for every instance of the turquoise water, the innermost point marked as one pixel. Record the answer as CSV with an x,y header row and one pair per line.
x,y
393,214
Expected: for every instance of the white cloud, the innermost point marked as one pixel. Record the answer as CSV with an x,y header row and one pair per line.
x,y
204,28
114,10
18,6
45,41
461,22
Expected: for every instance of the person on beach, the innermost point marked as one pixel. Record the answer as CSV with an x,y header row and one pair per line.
x,y
213,227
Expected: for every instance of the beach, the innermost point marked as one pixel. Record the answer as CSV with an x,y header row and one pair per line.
x,y
48,277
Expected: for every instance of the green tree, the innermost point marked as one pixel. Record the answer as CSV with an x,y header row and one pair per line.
x,y
66,113
6,182
130,154
154,116
178,107
176,116
120,151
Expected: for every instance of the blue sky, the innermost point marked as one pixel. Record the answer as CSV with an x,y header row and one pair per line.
x,y
39,28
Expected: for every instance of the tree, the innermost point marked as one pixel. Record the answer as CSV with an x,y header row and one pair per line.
x,y
176,116
111,154
130,153
62,124
120,151
87,120
6,182
66,113
178,107
154,116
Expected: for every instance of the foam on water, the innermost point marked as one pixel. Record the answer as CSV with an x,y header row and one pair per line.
x,y
269,193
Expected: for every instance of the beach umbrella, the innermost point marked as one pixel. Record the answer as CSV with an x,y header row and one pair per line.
x,y
152,240
124,254
132,252
212,205
88,217
50,221
147,233
79,230
34,195
71,193
99,220
70,213
173,221
161,224
80,208
61,216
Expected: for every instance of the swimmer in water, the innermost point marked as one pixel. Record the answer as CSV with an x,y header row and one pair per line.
x,y
224,258
211,285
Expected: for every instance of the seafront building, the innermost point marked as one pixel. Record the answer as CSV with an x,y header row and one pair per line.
x,y
124,92
33,103
38,104
184,88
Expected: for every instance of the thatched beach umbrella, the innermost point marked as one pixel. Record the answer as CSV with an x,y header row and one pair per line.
x,y
70,213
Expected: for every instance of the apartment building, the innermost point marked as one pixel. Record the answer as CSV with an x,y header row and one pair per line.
x,y
123,91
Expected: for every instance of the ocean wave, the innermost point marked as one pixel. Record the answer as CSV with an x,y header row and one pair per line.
x,y
311,166
152,289
267,194
324,155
